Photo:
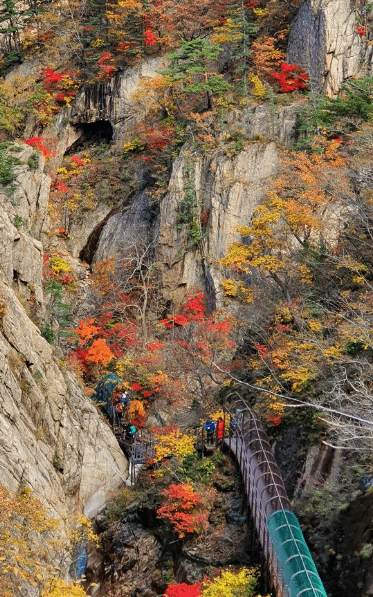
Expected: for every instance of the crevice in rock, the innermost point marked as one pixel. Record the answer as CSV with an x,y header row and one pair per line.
x,y
89,249
210,288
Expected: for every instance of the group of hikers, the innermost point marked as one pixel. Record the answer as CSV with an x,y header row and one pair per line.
x,y
214,430
121,402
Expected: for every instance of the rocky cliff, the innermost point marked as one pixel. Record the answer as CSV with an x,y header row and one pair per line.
x,y
324,41
53,439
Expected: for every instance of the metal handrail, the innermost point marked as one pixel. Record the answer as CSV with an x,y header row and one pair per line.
x,y
266,493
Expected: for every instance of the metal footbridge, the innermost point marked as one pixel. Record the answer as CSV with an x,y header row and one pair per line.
x,y
291,568
292,571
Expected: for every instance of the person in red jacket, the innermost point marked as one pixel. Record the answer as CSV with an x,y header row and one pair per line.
x,y
220,429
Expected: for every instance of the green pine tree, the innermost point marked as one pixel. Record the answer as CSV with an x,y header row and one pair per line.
x,y
193,64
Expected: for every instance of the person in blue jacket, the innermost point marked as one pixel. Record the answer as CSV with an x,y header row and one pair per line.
x,y
210,430
124,399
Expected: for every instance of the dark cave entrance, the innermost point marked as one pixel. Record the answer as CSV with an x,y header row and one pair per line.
x,y
92,133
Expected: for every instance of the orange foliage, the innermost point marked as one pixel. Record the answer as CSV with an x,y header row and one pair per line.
x,y
184,509
86,330
136,412
99,352
265,56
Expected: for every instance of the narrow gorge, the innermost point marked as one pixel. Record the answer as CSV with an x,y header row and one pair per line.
x,y
185,217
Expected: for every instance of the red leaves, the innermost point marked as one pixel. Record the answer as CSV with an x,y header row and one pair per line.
x,y
67,279
157,138
60,97
150,39
77,160
195,306
291,78
175,320
183,508
155,345
62,82
135,386
222,327
184,590
51,78
104,57
60,186
262,350
147,394
107,70
360,30
38,142
275,420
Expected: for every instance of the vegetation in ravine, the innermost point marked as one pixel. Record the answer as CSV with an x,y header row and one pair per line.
x,y
302,265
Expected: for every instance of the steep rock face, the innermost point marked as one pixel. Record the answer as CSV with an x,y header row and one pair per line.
x,y
323,40
130,226
21,258
265,122
29,198
52,438
228,189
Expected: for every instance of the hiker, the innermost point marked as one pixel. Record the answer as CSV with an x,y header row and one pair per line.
x,y
232,427
124,399
115,414
220,429
120,408
130,432
210,428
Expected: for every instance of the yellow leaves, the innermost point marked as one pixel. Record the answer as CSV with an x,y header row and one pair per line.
x,y
172,441
305,274
244,230
134,145
59,588
315,326
260,12
98,43
230,584
83,532
283,315
129,4
20,551
258,88
237,288
333,351
227,33
298,378
237,254
230,287
58,264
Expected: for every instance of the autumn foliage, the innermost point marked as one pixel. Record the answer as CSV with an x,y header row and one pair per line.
x,y
29,543
184,509
136,413
183,590
172,442
40,144
291,78
229,583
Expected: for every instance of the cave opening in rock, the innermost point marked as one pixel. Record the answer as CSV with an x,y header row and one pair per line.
x,y
92,133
